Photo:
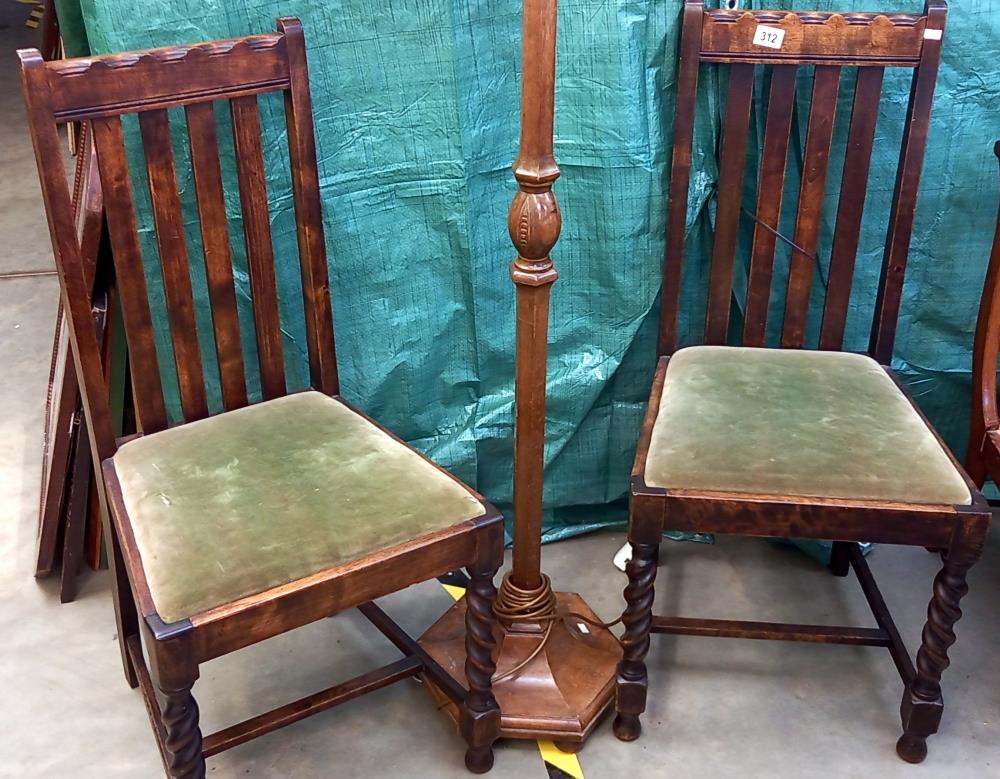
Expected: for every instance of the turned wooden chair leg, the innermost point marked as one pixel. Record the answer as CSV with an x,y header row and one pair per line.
x,y
922,704
182,735
630,695
480,716
174,672
840,558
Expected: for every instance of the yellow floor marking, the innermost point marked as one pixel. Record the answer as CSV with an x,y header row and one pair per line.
x,y
564,761
453,591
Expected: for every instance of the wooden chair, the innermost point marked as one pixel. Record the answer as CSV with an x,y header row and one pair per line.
x,y
983,458
789,442
230,528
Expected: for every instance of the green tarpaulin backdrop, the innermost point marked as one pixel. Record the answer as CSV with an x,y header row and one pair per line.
x,y
416,113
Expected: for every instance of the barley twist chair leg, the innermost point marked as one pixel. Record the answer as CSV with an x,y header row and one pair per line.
x,y
630,697
480,716
922,704
183,735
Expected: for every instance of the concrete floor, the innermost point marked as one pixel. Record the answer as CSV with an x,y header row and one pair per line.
x,y
718,708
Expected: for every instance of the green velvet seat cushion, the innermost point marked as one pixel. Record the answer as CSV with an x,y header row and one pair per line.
x,y
796,423
244,501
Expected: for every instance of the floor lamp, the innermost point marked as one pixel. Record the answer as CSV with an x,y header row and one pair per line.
x,y
556,664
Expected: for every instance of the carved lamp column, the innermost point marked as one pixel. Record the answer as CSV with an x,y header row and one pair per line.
x,y
556,664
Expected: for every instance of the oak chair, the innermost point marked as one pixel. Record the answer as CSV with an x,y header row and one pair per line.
x,y
229,528
983,457
794,442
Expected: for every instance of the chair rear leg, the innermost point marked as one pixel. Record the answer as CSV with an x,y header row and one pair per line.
x,y
126,613
923,704
840,558
630,695
480,716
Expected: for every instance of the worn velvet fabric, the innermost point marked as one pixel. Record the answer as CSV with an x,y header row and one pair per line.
x,y
792,422
248,500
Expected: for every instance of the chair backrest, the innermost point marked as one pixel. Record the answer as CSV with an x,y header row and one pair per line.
x,y
985,354
784,41
100,91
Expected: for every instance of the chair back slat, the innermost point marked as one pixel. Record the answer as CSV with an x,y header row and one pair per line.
x,y
787,50
680,175
312,252
203,80
260,250
904,198
819,137
207,173
854,183
119,211
731,168
154,127
770,186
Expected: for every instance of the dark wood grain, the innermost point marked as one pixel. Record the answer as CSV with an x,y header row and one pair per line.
x,y
309,217
260,250
154,127
819,136
731,170
904,197
75,527
897,649
120,210
770,188
853,187
680,174
203,141
165,77
770,631
298,710
63,401
480,718
855,38
534,223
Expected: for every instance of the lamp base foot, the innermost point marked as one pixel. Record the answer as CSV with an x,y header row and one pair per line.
x,y
560,695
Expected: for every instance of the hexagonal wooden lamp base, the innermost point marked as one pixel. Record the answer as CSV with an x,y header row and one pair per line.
x,y
560,695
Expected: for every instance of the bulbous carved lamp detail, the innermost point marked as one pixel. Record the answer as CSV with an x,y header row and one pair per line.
x,y
534,223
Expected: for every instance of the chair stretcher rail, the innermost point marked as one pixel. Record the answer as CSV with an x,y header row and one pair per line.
x,y
772,631
311,704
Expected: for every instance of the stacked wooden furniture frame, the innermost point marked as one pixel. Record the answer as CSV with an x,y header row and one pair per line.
x,y
229,528
66,460
983,458
789,442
